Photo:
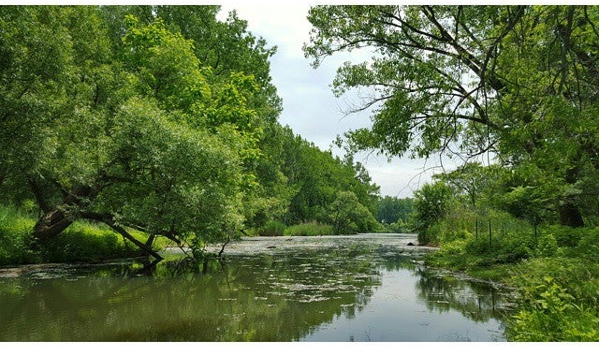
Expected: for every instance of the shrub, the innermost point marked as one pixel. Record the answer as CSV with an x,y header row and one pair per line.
x,y
565,236
588,247
81,242
546,246
272,228
397,227
15,237
349,216
549,313
88,243
455,247
309,229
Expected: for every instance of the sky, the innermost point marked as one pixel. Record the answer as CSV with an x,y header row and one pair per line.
x,y
310,108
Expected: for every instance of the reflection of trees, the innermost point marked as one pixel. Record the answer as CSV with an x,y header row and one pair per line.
x,y
279,297
260,298
477,301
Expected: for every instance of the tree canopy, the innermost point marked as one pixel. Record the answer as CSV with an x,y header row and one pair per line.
x,y
516,81
160,119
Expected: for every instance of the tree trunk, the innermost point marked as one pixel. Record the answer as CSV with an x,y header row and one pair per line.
x,y
55,221
38,192
51,224
570,215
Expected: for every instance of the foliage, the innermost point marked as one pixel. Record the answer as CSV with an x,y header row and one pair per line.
x,y
348,216
392,209
272,228
515,81
309,229
557,301
431,204
155,119
83,242
315,177
588,247
15,237
397,227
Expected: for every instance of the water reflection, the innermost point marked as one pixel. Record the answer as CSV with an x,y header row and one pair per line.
x,y
478,301
281,297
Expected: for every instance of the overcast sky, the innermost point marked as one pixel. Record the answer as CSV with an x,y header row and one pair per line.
x,y
310,108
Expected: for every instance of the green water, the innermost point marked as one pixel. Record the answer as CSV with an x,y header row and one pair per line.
x,y
355,295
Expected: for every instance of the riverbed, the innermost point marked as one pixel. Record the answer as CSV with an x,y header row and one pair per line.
x,y
329,288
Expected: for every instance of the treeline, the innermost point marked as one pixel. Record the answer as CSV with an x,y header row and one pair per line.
x,y
157,121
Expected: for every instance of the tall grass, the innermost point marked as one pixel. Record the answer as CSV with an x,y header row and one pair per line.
x,y
309,229
557,302
81,242
87,242
15,237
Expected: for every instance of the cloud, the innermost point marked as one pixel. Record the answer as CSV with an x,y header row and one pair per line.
x,y
310,108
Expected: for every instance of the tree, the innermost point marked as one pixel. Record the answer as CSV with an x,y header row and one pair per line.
x,y
518,81
315,177
470,179
391,209
348,216
431,203
124,128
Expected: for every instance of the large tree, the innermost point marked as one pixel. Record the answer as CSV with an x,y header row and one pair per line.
x,y
110,116
518,81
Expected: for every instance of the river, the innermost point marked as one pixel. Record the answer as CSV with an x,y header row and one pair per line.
x,y
355,288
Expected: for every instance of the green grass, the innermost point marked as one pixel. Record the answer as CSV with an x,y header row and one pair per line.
x,y
15,237
272,228
309,229
81,242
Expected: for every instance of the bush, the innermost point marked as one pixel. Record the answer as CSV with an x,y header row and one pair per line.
x,y
588,247
86,242
565,236
549,313
272,228
15,237
397,227
546,246
309,229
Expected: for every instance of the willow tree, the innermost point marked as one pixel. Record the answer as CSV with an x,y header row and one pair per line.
x,y
520,82
126,128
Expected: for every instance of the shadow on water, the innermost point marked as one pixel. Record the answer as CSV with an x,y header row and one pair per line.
x,y
276,297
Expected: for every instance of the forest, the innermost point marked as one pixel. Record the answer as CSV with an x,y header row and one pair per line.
x,y
127,128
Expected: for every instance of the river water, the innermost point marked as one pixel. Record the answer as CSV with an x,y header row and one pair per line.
x,y
350,293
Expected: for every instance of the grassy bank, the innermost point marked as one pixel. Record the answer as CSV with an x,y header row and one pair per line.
x,y
81,242
555,271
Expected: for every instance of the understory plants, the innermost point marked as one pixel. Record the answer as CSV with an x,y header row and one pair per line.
x,y
81,242
554,271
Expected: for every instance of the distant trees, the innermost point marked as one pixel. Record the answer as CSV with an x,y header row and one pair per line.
x,y
349,216
392,209
316,178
